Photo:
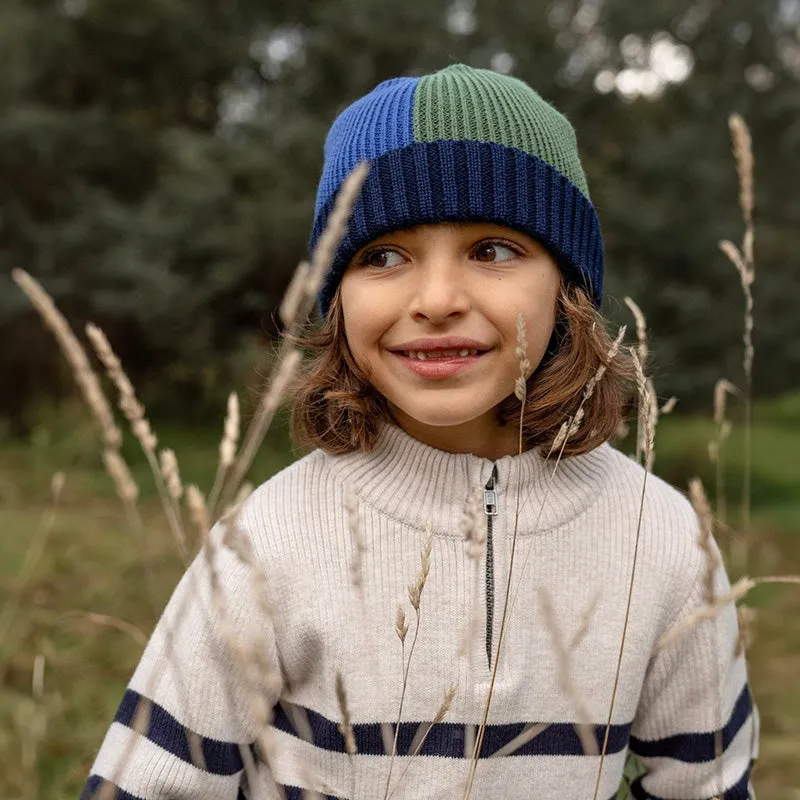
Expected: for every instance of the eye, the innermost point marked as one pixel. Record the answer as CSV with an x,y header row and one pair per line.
x,y
494,252
381,258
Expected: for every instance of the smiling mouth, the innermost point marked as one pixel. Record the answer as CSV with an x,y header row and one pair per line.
x,y
432,355
438,364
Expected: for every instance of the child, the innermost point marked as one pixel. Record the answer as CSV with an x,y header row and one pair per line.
x,y
475,209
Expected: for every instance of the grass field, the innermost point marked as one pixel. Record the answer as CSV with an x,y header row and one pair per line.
x,y
86,607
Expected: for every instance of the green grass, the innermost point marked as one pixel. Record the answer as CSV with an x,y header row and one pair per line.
x,y
91,563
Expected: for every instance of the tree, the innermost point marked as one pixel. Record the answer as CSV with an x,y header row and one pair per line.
x,y
158,163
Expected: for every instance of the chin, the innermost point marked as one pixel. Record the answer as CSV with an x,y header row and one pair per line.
x,y
443,416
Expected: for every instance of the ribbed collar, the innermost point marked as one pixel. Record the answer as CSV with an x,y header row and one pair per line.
x,y
414,483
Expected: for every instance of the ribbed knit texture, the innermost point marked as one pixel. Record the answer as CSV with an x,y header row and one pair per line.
x,y
465,103
579,549
462,144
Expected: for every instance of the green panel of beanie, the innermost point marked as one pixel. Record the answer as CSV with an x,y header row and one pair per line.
x,y
461,102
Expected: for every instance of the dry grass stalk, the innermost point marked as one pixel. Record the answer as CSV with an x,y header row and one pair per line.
x,y
641,328
648,416
198,512
415,597
401,624
649,445
128,402
101,411
521,352
336,228
584,727
230,438
705,518
345,728
743,153
669,406
31,720
744,261
287,365
474,534
171,473
37,679
567,429
356,534
716,448
645,409
747,618
140,724
245,490
570,427
722,388
137,634
289,357
242,548
652,412
583,622
415,589
93,394
140,426
421,735
697,496
227,448
529,733
85,376
441,713
33,553
128,492
255,669
290,304
117,468
737,592
320,787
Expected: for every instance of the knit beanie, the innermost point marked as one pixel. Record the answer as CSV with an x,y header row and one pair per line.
x,y
461,144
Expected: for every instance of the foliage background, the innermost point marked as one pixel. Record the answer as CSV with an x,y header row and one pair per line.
x,y
158,163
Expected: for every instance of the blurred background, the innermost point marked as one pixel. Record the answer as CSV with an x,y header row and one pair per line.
x,y
158,165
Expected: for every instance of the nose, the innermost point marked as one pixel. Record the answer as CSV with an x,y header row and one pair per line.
x,y
441,291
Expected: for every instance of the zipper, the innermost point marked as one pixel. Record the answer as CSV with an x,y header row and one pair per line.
x,y
490,509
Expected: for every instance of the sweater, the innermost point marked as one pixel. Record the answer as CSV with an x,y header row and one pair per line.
x,y
240,693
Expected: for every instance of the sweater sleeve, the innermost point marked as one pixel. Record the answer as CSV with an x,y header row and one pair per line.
x,y
207,680
696,703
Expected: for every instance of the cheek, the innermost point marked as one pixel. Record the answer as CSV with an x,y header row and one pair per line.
x,y
362,318
540,310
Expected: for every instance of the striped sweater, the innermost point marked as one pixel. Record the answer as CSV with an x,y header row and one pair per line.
x,y
242,692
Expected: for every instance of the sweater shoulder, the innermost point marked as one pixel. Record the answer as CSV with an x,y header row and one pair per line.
x,y
291,503
663,502
292,478
670,550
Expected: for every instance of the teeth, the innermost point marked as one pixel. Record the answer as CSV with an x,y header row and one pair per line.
x,y
421,355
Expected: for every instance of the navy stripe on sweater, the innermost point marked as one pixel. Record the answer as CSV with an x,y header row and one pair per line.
x,y
295,793
739,791
446,739
222,758
695,748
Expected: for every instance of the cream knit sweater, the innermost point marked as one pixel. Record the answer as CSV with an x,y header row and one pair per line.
x,y
321,604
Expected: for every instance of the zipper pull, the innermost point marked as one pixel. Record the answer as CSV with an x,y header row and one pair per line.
x,y
490,494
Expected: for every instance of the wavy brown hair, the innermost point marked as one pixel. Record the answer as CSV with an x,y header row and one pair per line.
x,y
334,406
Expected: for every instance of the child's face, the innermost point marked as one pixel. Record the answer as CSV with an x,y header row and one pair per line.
x,y
413,290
